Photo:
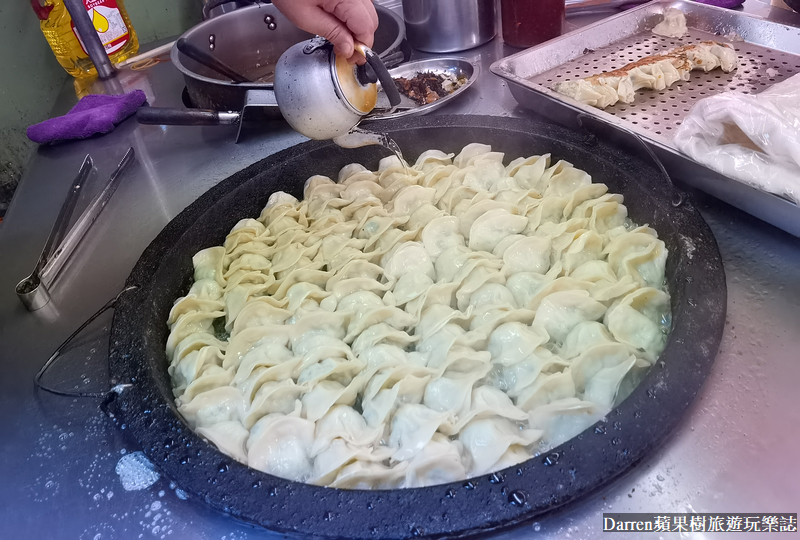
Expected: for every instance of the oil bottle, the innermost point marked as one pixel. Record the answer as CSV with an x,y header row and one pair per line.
x,y
111,22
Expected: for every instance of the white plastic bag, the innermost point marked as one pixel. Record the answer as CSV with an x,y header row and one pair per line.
x,y
752,138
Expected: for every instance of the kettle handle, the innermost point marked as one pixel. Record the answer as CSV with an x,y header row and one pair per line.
x,y
387,82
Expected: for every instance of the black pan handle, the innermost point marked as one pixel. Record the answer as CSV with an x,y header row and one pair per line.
x,y
383,74
211,62
165,116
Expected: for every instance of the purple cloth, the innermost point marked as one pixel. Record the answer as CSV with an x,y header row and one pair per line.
x,y
92,114
722,3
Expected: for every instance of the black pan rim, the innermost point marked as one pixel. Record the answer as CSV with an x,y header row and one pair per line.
x,y
477,507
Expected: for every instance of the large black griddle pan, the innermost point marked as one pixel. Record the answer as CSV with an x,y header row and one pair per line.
x,y
520,494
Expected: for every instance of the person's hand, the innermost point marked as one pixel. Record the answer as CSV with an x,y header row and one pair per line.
x,y
339,21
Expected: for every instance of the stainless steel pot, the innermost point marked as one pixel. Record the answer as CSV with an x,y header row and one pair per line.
x,y
250,40
443,26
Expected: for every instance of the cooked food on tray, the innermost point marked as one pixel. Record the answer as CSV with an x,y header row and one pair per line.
x,y
427,87
418,325
672,25
654,72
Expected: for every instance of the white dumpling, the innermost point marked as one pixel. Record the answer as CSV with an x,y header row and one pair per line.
x,y
596,359
586,247
640,320
560,312
222,404
561,420
329,462
193,303
270,390
405,258
640,254
328,368
513,342
324,395
530,254
432,158
546,389
487,402
194,322
525,285
486,440
564,179
410,198
377,406
515,455
439,462
378,334
470,209
604,386
583,336
410,286
440,234
469,152
265,353
211,376
516,377
413,427
208,264
451,392
492,227
491,295
342,422
505,243
191,366
450,262
422,216
369,475
280,445
229,436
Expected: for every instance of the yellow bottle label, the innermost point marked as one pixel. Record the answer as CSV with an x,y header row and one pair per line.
x,y
108,22
111,22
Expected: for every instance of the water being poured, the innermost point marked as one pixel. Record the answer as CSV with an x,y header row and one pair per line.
x,y
358,137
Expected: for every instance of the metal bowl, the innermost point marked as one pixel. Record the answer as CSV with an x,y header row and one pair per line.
x,y
580,466
460,67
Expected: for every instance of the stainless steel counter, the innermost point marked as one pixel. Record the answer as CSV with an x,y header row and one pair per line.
x,y
736,451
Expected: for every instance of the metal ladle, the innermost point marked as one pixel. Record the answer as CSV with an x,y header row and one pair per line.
x,y
32,290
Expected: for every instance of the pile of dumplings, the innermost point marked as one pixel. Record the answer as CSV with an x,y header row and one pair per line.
x,y
418,325
656,72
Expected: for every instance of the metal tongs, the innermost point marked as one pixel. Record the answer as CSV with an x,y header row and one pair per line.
x,y
33,290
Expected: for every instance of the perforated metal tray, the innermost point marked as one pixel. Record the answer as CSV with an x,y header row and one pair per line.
x,y
768,53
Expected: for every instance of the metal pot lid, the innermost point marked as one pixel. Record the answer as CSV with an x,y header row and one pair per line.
x,y
484,504
361,97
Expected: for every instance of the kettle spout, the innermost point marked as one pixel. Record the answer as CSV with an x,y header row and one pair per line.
x,y
357,137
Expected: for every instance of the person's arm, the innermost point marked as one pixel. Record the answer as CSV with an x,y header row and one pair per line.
x,y
339,21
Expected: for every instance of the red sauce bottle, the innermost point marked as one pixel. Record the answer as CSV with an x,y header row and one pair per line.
x,y
529,22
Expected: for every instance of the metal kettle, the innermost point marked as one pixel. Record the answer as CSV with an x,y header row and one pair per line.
x,y
323,96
